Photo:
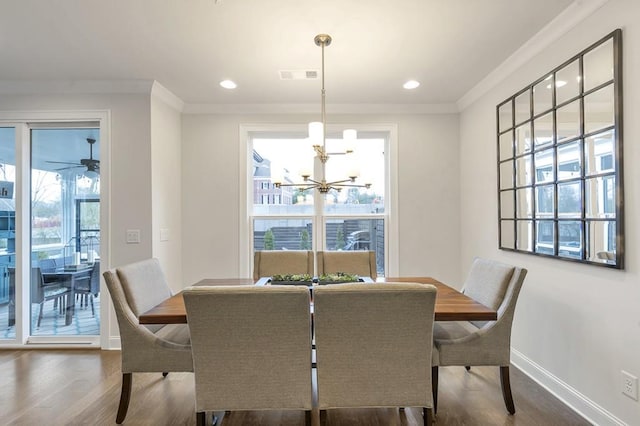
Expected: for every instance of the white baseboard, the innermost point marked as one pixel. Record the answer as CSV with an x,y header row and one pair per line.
x,y
579,403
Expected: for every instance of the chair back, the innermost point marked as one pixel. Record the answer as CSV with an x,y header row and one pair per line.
x,y
373,344
145,348
37,286
362,263
144,285
495,285
267,263
94,280
251,347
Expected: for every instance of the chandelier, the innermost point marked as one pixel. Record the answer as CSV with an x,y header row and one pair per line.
x,y
317,133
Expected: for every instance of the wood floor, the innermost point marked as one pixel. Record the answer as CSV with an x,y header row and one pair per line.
x,y
82,387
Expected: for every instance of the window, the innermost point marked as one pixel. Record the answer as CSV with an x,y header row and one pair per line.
x,y
350,219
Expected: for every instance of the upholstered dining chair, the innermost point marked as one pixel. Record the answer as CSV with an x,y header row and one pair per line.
x,y
373,345
134,289
496,285
271,262
362,263
251,348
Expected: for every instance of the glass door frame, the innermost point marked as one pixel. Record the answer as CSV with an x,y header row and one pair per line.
x,y
23,122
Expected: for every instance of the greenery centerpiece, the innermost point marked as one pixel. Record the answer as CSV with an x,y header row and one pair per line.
x,y
291,279
338,277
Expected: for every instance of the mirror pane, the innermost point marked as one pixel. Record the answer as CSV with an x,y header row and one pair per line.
x,y
524,201
507,234
544,166
523,107
506,145
543,130
525,235
545,201
598,66
602,241
570,239
523,171
542,96
505,116
568,82
568,121
600,197
569,161
569,200
545,236
523,138
506,204
598,109
506,174
599,153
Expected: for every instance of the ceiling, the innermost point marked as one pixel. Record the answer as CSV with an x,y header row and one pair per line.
x,y
188,46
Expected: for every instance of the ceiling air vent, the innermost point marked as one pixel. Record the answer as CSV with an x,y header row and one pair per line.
x,y
298,74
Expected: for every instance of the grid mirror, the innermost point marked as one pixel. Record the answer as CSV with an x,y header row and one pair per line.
x,y
560,161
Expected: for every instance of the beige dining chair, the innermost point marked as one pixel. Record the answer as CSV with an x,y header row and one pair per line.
x,y
267,263
462,343
251,348
362,263
373,346
134,289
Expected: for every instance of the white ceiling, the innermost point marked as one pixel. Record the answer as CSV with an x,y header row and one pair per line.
x,y
188,46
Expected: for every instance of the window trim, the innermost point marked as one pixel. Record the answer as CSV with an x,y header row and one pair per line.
x,y
245,225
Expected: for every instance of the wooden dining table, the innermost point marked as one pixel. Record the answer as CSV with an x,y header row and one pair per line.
x,y
451,305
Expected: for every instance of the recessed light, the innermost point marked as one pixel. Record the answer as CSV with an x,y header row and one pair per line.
x,y
411,84
228,84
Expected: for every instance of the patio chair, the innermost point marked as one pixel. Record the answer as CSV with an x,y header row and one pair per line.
x,y
88,287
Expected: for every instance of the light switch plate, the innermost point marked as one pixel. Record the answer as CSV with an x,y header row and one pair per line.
x,y
133,236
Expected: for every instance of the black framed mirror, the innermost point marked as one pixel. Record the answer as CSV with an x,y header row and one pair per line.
x,y
560,186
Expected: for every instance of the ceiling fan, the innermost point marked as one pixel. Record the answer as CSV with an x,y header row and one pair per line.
x,y
92,165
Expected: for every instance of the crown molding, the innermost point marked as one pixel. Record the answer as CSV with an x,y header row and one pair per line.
x,y
314,109
39,87
167,96
575,13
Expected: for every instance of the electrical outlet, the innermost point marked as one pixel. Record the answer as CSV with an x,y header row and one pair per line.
x,y
629,385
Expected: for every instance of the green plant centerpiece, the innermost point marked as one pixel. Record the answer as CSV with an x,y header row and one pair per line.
x,y
338,277
291,279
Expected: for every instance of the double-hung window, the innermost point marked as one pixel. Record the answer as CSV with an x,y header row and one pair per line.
x,y
291,218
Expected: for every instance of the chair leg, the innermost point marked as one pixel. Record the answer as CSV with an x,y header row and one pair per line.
x,y
506,389
323,417
427,416
93,310
165,374
40,315
468,367
434,387
201,418
125,396
307,418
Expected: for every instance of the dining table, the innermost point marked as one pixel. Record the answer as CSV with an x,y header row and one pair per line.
x,y
451,304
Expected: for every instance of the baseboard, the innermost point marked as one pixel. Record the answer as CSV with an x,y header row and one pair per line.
x,y
113,343
579,403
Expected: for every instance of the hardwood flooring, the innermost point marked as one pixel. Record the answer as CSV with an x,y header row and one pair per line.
x,y
82,387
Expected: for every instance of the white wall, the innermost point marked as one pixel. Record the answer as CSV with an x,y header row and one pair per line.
x,y
428,191
576,326
166,171
130,174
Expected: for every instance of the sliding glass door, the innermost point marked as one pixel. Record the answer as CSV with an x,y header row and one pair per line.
x,y
50,288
